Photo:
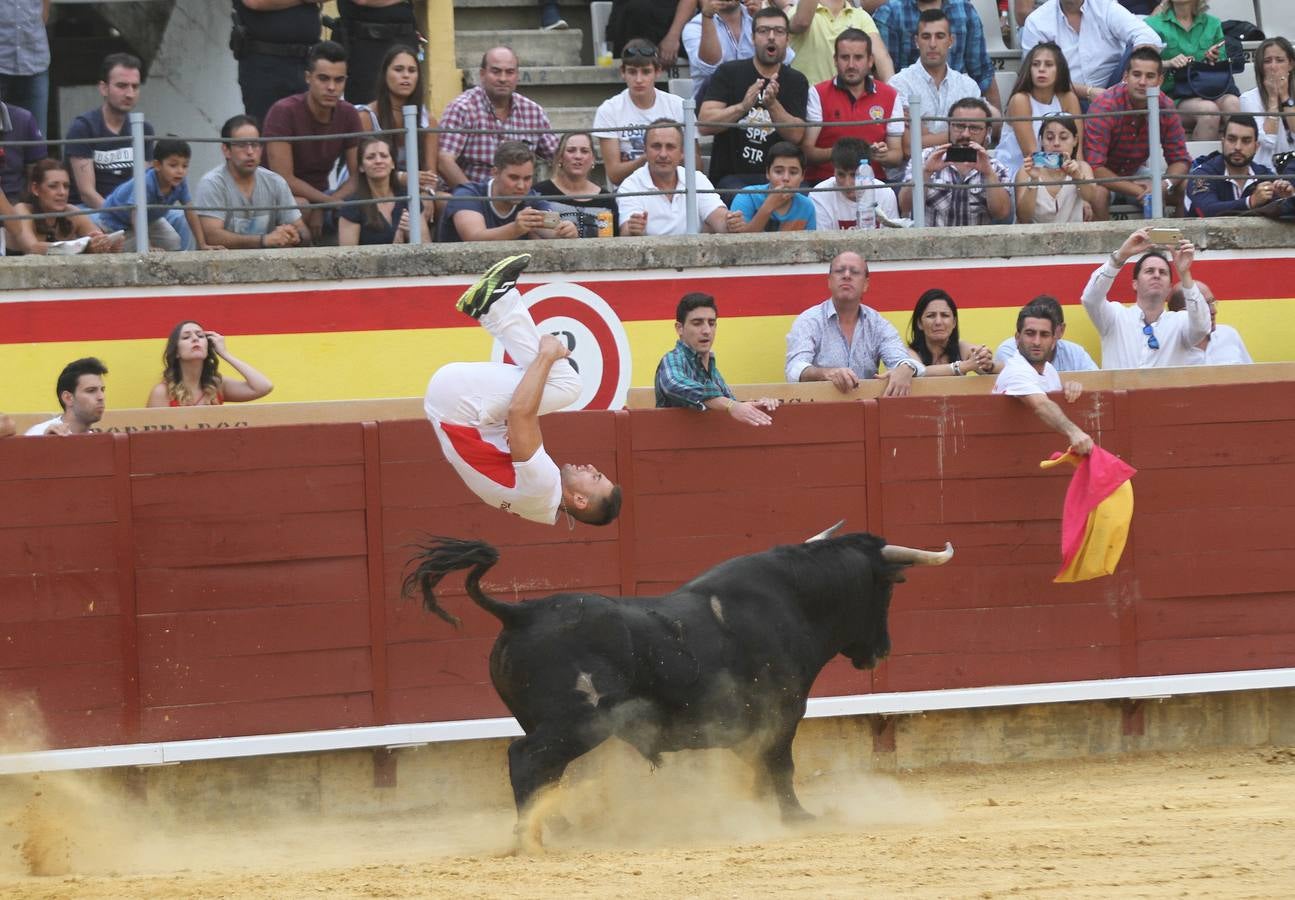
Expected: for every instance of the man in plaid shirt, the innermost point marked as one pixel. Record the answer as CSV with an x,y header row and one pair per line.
x,y
1116,145
897,21
495,106
957,192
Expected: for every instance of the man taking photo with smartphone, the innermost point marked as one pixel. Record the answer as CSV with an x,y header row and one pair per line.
x,y
963,184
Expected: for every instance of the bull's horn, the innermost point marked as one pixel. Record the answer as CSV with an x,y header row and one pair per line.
x,y
909,557
825,533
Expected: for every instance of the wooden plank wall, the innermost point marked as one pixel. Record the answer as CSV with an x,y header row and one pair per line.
x,y
173,585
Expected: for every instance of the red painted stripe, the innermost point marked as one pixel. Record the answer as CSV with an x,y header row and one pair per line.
x,y
376,307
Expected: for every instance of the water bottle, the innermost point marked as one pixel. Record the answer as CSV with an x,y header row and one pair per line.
x,y
1146,206
865,202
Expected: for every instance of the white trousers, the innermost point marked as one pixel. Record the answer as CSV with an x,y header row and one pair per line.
x,y
478,393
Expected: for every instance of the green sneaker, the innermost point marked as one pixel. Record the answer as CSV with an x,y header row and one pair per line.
x,y
498,280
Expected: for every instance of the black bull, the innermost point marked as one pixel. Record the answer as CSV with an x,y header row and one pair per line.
x,y
726,660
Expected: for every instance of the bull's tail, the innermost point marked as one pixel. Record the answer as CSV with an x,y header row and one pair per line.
x,y
441,556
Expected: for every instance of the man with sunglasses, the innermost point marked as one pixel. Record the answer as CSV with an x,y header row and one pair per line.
x,y
1147,334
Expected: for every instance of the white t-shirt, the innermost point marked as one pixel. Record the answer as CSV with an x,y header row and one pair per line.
x,y
1020,379
38,430
530,489
620,110
666,213
834,212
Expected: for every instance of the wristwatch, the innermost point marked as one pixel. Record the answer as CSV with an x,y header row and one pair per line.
x,y
1290,101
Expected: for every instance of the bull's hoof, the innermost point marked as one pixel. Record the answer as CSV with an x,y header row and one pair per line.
x,y
797,816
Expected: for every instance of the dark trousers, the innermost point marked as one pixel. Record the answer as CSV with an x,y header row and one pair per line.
x,y
266,80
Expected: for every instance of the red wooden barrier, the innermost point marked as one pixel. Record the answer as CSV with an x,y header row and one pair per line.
x,y
172,585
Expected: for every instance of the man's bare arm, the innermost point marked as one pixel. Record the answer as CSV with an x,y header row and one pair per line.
x,y
524,436
1051,415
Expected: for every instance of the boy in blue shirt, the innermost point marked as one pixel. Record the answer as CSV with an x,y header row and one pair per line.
x,y
755,209
165,186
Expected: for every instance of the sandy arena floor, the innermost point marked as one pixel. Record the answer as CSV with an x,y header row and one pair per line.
x,y
1206,824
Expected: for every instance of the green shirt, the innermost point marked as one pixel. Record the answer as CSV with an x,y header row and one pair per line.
x,y
1206,31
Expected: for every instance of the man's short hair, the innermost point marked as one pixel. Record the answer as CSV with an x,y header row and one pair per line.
x,y
1152,254
689,302
849,152
233,123
784,149
171,146
1246,121
769,12
328,51
512,153
858,35
603,513
663,123
1051,302
1036,310
72,372
113,60
971,103
1146,54
932,15
640,53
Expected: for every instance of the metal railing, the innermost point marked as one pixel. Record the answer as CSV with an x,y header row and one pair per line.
x,y
916,120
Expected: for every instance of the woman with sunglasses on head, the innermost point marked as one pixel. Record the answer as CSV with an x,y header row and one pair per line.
x,y
571,166
1045,190
1272,100
191,371
46,198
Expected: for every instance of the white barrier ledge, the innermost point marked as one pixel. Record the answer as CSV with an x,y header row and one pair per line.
x,y
395,736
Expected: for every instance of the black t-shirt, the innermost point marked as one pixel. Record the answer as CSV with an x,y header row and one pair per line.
x,y
740,150
370,234
396,14
584,213
294,25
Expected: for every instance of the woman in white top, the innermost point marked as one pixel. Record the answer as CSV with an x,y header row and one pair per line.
x,y
1272,101
1045,194
400,84
1042,86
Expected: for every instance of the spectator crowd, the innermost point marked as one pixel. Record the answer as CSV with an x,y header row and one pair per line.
x,y
806,104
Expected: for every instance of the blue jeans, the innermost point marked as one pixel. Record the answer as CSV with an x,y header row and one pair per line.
x,y
31,92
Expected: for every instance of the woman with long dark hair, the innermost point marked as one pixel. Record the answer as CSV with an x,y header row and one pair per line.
x,y
191,371
1042,86
400,84
46,197
1047,193
933,338
385,221
1272,100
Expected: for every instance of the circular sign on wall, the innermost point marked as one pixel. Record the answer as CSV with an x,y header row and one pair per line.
x,y
600,349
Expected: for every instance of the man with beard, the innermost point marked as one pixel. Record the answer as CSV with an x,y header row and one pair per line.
x,y
495,109
1248,186
242,206
853,96
1116,144
1029,376
1147,335
719,33
961,191
764,97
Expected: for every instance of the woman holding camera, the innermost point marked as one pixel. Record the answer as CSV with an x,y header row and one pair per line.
x,y
1045,189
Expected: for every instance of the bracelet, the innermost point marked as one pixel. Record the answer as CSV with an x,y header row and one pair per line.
x,y
956,365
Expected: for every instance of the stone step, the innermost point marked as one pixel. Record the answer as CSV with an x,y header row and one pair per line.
x,y
533,48
484,15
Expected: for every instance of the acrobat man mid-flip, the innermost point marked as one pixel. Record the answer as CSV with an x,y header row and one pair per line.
x,y
487,414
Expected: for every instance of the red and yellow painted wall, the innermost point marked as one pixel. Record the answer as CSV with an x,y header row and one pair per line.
x,y
375,338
